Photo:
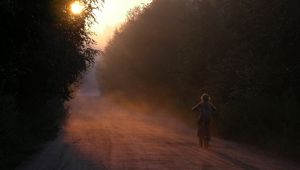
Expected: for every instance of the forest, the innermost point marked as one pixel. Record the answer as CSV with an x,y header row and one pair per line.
x,y
44,52
245,54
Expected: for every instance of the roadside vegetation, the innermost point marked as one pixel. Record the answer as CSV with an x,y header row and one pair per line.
x,y
44,51
244,53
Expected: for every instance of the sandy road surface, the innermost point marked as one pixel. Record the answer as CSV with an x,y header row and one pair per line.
x,y
100,135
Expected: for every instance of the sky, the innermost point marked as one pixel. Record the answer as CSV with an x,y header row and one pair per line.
x,y
112,15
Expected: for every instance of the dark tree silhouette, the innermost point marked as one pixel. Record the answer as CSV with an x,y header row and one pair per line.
x,y
44,51
244,53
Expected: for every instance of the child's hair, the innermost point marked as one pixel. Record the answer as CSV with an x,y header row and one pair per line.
x,y
205,97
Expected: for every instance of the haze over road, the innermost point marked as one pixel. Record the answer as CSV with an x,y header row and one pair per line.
x,y
100,134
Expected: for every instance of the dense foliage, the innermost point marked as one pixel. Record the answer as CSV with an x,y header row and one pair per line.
x,y
244,53
44,50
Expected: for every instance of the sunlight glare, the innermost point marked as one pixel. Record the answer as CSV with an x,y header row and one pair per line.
x,y
76,7
111,16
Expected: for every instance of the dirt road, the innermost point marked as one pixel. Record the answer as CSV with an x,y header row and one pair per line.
x,y
101,135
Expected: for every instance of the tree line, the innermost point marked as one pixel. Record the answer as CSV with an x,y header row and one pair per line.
x,y
244,53
44,51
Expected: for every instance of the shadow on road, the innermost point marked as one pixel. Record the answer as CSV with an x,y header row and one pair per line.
x,y
61,155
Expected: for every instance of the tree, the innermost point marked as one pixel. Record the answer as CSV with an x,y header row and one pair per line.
x,y
44,50
243,53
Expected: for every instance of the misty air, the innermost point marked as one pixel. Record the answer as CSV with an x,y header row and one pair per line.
x,y
150,85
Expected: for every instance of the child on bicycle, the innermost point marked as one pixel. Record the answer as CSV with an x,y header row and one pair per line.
x,y
205,109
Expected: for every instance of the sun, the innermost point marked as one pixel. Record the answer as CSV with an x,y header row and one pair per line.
x,y
76,7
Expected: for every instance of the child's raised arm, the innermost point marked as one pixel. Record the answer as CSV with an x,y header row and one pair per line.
x,y
196,106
